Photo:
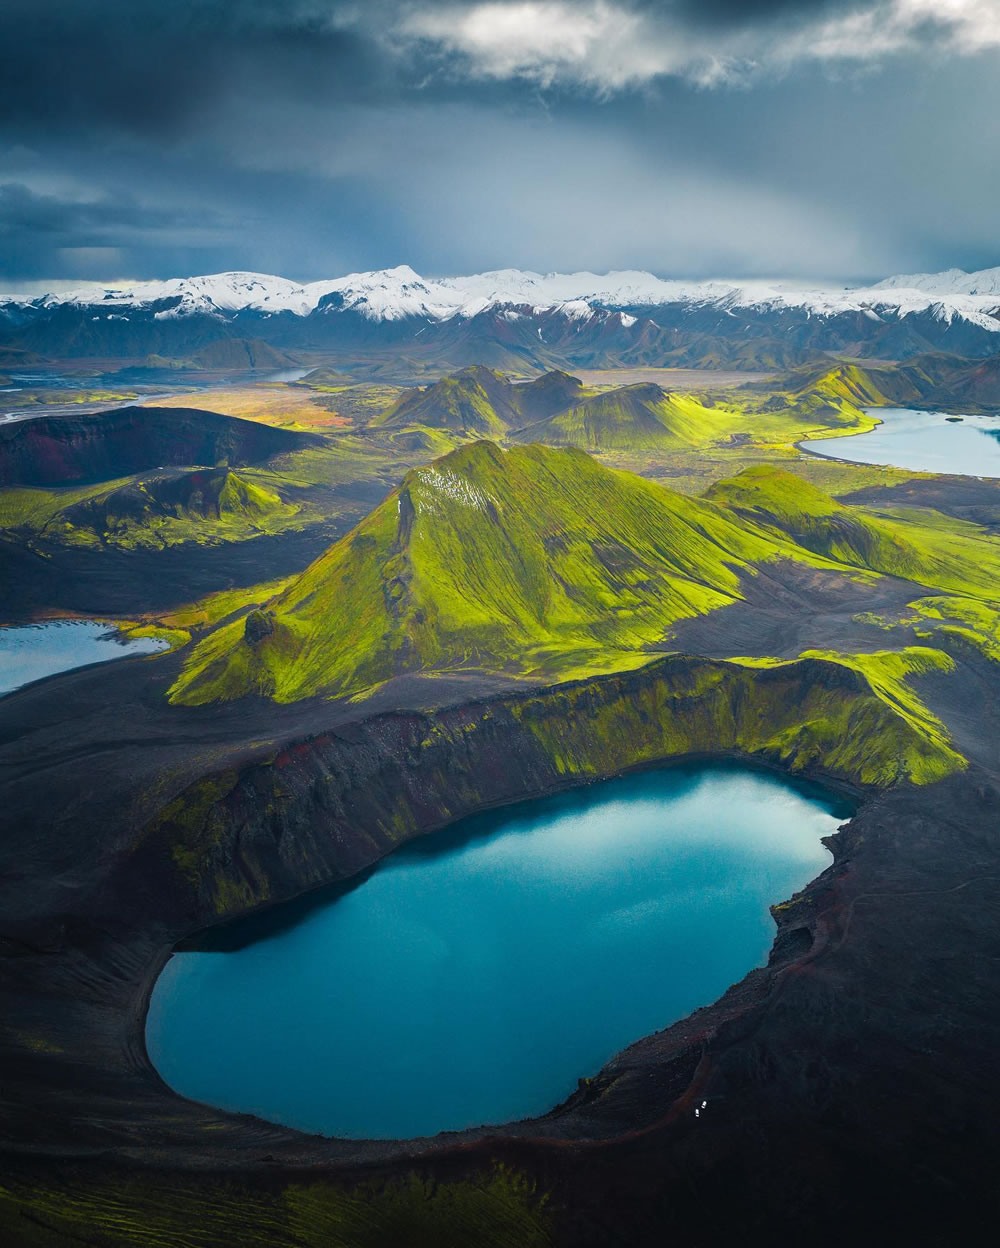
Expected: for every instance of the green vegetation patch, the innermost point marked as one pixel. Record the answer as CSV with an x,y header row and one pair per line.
x,y
498,1208
522,561
542,563
636,417
204,506
944,619
918,545
475,401
923,754
212,608
851,716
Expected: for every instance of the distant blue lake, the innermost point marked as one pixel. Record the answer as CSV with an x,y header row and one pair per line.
x,y
921,442
35,650
475,976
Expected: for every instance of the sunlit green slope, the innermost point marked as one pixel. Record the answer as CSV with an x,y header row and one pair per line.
x,y
521,560
921,546
541,562
637,417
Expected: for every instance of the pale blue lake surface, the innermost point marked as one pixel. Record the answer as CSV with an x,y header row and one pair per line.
x,y
476,976
35,650
921,442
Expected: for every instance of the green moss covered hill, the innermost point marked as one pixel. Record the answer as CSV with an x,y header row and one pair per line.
x,y
505,560
635,417
643,418
97,480
934,380
539,561
479,400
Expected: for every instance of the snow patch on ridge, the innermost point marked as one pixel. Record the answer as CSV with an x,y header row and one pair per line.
x,y
443,482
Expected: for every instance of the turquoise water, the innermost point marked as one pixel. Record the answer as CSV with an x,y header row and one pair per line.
x,y
36,650
922,442
475,977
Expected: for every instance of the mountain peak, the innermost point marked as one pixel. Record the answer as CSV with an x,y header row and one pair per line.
x,y
487,560
984,282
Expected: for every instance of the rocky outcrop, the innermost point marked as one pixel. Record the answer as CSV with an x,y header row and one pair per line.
x,y
258,625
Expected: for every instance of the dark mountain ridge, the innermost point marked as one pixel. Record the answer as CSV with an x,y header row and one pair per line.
x,y
708,333
101,446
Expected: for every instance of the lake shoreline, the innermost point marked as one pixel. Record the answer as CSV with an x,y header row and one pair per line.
x,y
813,928
42,650
890,437
485,907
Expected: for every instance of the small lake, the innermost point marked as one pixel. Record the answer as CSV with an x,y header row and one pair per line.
x,y
35,650
921,442
475,976
287,374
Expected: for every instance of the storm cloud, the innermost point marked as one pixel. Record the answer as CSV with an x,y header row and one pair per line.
x,y
826,138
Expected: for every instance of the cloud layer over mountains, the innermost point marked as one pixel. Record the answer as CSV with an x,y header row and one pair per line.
x,y
829,138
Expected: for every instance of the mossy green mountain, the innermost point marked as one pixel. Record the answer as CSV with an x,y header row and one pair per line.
x,y
520,560
474,401
202,505
635,417
479,400
638,418
930,380
542,562
921,546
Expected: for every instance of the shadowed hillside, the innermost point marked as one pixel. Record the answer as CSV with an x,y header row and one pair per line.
x,y
478,400
241,353
212,504
973,387
101,446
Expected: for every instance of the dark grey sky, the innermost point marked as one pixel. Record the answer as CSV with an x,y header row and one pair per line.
x,y
821,138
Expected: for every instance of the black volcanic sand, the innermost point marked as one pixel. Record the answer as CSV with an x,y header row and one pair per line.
x,y
850,1087
123,582
788,608
976,499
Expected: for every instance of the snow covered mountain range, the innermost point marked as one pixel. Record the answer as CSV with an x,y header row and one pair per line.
x,y
621,317
395,294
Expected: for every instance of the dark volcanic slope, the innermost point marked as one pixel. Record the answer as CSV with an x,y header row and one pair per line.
x,y
847,1091
966,498
100,446
241,353
850,1083
974,386
553,392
